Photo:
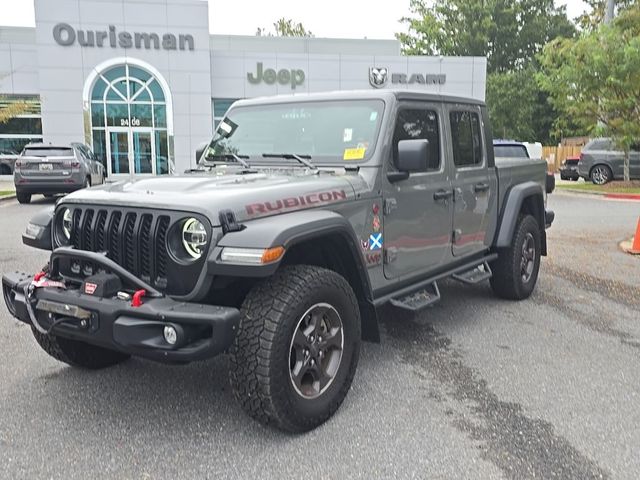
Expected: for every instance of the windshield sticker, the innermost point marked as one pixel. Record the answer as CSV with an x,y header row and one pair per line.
x,y
347,135
354,153
373,117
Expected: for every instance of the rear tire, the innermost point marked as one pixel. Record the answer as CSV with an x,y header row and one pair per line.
x,y
515,272
297,348
78,354
87,183
23,197
601,174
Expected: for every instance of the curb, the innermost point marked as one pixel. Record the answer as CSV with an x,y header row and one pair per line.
x,y
6,198
623,196
612,196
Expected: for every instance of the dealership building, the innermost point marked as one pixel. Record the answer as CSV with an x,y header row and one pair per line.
x,y
143,82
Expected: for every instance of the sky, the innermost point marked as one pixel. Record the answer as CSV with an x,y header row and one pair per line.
x,y
325,18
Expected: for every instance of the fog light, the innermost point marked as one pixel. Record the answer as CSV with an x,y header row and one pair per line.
x,y
170,335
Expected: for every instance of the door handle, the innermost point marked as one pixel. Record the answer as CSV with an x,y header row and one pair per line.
x,y
442,195
481,187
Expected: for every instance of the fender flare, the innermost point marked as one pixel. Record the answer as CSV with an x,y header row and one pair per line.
x,y
512,207
288,230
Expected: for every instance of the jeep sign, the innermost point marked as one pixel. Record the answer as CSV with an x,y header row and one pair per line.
x,y
293,77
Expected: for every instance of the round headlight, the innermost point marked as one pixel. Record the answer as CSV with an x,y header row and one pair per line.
x,y
194,237
66,223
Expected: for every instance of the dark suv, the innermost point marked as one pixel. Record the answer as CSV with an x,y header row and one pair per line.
x,y
601,161
569,169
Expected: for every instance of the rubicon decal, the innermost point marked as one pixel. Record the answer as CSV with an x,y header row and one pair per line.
x,y
294,203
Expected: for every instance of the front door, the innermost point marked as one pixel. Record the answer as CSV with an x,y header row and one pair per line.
x,y
472,185
418,210
130,151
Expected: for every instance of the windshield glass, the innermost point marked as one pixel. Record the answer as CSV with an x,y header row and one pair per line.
x,y
48,152
510,151
343,131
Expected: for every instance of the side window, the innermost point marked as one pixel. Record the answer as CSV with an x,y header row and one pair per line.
x,y
466,138
82,151
415,124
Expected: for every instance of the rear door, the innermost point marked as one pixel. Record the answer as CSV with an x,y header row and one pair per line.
x,y
473,187
418,210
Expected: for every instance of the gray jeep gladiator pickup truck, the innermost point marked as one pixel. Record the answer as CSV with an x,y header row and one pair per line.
x,y
305,214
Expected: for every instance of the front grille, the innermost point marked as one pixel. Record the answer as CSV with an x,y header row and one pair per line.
x,y
135,240
143,241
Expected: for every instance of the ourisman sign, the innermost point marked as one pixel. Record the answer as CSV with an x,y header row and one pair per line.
x,y
65,35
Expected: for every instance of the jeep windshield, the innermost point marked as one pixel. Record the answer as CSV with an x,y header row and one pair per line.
x,y
341,132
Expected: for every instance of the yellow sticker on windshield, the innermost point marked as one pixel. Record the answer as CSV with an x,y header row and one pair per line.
x,y
354,153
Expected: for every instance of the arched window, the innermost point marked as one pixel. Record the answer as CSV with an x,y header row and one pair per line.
x,y
128,112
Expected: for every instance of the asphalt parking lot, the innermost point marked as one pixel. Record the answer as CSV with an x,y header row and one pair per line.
x,y
475,387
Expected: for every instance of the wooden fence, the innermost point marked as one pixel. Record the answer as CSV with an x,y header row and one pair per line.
x,y
556,155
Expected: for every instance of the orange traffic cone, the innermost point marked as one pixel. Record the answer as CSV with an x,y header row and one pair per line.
x,y
635,247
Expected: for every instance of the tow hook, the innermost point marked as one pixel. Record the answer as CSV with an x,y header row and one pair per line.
x,y
136,301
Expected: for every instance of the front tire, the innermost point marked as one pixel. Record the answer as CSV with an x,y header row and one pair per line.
x,y
515,272
78,354
297,348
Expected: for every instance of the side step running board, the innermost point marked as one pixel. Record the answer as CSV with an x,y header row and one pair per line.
x,y
419,299
477,274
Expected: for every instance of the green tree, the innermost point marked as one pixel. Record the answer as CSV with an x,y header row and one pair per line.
x,y
10,109
594,16
285,27
509,33
595,79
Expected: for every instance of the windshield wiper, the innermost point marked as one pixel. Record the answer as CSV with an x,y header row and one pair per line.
x,y
226,156
300,158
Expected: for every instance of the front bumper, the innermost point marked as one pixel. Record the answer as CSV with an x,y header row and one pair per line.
x,y
569,173
203,330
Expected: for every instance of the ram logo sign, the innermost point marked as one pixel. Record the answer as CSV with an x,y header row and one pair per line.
x,y
378,76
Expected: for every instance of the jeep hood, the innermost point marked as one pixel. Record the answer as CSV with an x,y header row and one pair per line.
x,y
249,196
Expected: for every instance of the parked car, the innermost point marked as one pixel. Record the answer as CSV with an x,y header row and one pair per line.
x,y
309,213
569,169
7,161
51,169
513,149
601,162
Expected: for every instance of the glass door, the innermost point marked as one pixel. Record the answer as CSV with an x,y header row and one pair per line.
x,y
131,151
142,147
118,152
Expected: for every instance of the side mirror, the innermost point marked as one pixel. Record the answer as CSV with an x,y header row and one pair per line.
x,y
413,156
38,232
200,151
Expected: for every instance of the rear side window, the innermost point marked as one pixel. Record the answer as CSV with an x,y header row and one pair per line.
x,y
417,124
466,138
48,152
517,151
599,144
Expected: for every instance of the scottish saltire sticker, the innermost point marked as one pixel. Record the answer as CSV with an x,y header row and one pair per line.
x,y
375,241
